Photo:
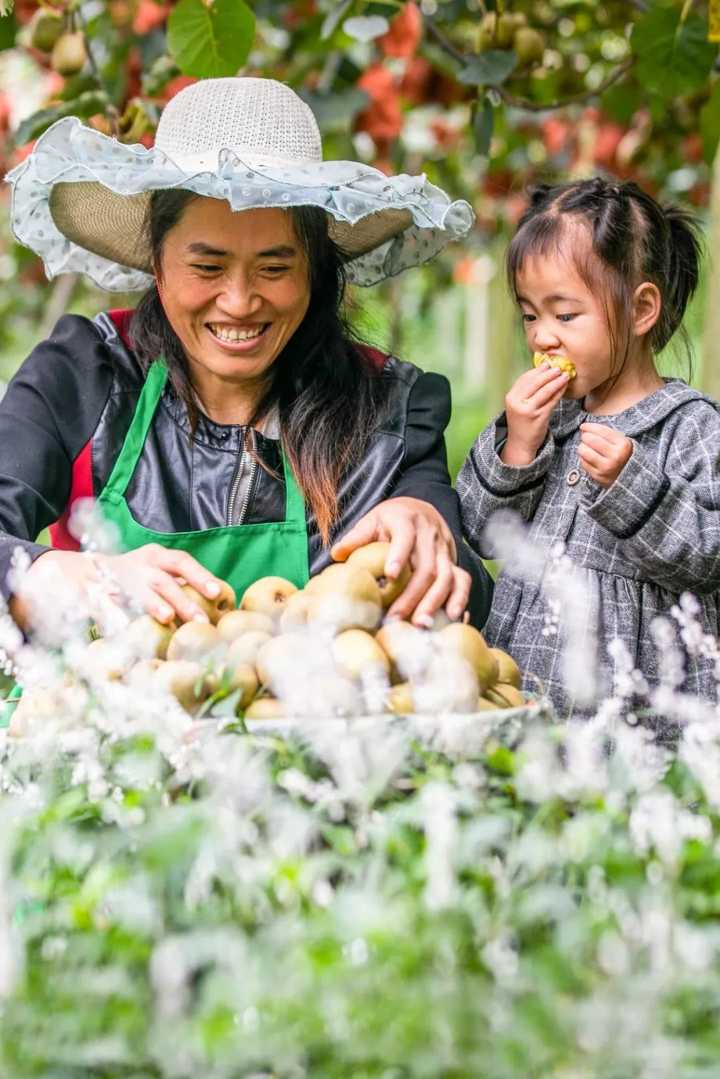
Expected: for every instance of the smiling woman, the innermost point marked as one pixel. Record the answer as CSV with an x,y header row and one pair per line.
x,y
230,426
234,301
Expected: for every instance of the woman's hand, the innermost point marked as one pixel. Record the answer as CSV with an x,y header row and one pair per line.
x,y
603,452
528,406
417,534
151,576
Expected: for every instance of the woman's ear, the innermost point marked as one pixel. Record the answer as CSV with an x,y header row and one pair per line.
x,y
647,305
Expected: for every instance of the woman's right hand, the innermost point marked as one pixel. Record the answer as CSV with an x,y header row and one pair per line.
x,y
528,406
152,576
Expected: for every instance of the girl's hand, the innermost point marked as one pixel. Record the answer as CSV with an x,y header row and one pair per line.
x,y
528,406
603,452
151,576
417,533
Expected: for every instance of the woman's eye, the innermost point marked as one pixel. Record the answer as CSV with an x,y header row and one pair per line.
x,y
566,318
275,270
205,268
527,318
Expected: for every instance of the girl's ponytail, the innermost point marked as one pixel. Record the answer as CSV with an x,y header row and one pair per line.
x,y
683,268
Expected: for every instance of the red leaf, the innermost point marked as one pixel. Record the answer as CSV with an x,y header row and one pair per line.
x,y
403,37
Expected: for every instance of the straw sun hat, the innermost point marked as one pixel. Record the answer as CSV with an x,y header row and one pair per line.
x,y
80,198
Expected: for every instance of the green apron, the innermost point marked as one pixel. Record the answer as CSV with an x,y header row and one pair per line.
x,y
238,554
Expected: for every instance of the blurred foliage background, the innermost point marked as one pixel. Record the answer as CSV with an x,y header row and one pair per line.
x,y
484,96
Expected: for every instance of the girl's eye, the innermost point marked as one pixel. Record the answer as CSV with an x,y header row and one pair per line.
x,y
527,318
566,318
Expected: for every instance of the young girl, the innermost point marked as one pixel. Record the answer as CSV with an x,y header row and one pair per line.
x,y
613,465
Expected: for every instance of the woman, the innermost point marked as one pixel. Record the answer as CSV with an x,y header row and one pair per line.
x,y
229,426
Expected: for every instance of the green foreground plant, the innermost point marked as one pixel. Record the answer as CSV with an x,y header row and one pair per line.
x,y
368,900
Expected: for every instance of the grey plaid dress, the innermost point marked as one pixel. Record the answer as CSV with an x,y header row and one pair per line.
x,y
630,550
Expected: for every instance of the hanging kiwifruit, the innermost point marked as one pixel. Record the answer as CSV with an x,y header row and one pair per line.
x,y
69,53
45,28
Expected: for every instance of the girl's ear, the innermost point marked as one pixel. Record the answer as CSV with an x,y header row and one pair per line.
x,y
647,305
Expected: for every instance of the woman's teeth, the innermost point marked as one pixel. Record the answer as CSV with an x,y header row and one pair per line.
x,y
224,333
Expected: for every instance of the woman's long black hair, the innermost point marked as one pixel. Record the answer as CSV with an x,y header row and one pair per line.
x,y
326,389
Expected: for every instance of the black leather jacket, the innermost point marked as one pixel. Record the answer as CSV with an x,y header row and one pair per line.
x,y
66,412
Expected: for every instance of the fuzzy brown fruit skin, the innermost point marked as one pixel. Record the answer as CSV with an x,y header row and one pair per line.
x,y
148,638
330,695
242,676
245,649
107,662
273,658
400,699
467,642
407,647
508,670
373,557
505,696
236,624
69,54
529,45
295,613
268,595
35,706
265,708
199,642
357,654
142,672
484,705
215,608
345,597
183,680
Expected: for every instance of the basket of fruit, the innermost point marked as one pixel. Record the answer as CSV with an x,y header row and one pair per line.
x,y
287,656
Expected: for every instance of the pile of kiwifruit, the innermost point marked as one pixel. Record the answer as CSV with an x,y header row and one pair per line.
x,y
324,650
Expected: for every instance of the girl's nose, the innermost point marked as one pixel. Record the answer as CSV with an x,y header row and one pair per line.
x,y
544,337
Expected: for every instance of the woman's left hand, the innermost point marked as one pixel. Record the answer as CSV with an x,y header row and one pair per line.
x,y
416,533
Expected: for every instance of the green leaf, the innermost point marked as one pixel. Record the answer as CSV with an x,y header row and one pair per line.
x,y
710,124
483,126
85,105
673,56
621,102
210,42
501,760
8,30
226,706
335,112
490,69
333,20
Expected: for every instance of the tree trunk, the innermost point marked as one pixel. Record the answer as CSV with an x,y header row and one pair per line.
x,y
711,331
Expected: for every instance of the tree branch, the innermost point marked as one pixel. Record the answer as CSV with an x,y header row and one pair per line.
x,y
525,102
111,110
572,99
445,44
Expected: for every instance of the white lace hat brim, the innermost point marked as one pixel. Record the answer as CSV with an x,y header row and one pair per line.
x,y
79,201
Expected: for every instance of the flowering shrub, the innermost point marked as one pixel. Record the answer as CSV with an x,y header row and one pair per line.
x,y
377,899
409,897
